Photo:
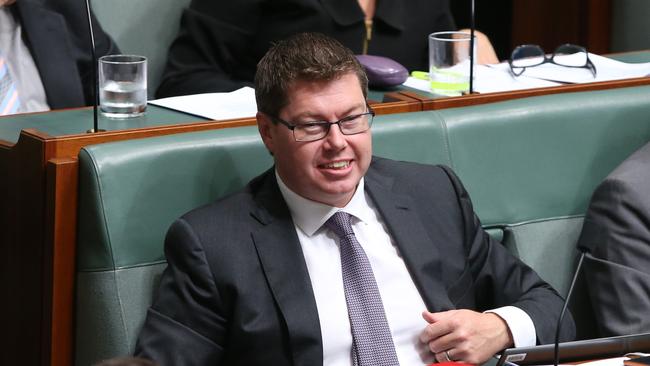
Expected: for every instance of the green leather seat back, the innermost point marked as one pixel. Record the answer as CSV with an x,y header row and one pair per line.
x,y
539,157
130,192
142,27
530,166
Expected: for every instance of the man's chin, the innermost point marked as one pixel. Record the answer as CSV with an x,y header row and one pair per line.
x,y
339,194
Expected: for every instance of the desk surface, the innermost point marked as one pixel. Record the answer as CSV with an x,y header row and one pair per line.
x,y
630,57
78,121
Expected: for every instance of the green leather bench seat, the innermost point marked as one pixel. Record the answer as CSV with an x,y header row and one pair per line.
x,y
530,166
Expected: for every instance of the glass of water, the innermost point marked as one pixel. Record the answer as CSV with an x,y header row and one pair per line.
x,y
122,85
449,62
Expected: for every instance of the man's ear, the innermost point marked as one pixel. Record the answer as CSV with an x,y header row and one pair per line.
x,y
265,127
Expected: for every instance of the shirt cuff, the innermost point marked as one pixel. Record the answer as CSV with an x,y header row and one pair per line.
x,y
520,324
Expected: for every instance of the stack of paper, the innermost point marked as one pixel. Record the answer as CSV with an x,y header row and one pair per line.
x,y
497,77
215,106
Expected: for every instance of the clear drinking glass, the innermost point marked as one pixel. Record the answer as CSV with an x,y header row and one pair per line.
x,y
449,62
123,85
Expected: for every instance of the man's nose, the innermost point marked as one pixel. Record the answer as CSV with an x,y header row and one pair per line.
x,y
335,139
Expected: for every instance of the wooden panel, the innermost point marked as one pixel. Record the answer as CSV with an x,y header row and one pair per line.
x,y
598,37
61,223
550,23
21,250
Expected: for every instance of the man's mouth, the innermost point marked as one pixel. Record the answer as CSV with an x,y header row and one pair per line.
x,y
341,164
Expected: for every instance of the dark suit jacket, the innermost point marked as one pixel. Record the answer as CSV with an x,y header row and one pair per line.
x,y
220,42
56,33
237,290
617,227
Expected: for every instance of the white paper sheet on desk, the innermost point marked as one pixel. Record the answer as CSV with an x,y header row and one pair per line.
x,y
489,80
215,106
606,70
616,361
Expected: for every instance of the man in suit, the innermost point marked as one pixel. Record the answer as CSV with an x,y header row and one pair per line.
x,y
47,47
617,229
258,277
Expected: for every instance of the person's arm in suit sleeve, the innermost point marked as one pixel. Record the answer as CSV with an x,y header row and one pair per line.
x,y
214,38
617,227
187,314
499,280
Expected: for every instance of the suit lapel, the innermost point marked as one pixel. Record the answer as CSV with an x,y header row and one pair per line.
x,y
420,252
286,272
47,39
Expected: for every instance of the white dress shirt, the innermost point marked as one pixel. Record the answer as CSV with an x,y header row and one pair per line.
x,y
23,69
402,302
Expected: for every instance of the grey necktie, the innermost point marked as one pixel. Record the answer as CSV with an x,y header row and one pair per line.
x,y
9,101
372,343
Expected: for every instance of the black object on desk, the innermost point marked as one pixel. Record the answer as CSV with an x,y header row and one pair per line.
x,y
577,350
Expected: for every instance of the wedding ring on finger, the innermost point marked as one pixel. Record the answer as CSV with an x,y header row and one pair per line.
x,y
448,356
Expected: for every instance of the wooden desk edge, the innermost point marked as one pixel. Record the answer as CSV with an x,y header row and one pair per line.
x,y
477,99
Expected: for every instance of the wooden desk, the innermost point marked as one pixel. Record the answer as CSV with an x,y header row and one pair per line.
x,y
432,103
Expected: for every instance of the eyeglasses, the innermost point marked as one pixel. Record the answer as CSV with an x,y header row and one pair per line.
x,y
568,55
316,130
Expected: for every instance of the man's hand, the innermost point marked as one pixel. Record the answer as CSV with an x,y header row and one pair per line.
x,y
465,335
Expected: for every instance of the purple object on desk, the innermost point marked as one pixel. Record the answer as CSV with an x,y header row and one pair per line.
x,y
383,71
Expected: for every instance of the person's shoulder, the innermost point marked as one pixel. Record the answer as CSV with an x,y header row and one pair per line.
x,y
633,170
406,169
232,208
416,179
629,178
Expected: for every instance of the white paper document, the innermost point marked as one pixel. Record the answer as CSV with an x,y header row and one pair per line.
x,y
215,106
498,78
490,79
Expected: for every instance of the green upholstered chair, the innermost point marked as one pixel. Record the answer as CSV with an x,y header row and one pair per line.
x,y
530,166
142,27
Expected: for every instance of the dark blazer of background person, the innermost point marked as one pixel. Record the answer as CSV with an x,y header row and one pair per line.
x,y
618,226
56,33
220,42
237,289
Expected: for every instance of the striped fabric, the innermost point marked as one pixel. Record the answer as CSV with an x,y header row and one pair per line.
x,y
9,101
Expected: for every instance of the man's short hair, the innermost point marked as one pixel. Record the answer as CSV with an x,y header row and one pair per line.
x,y
307,57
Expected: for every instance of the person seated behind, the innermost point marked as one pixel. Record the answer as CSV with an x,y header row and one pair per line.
x,y
617,229
220,42
45,51
257,277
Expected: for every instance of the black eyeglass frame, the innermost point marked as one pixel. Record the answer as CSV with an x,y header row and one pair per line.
x,y
546,59
328,124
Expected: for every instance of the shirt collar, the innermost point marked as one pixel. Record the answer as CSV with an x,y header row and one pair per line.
x,y
309,216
